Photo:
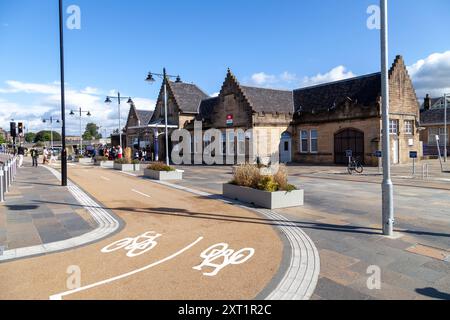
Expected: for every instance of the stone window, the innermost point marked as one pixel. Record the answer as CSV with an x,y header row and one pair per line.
x,y
304,143
314,144
393,126
433,132
409,127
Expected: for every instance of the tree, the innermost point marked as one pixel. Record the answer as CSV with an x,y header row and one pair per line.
x,y
2,139
44,136
30,137
91,132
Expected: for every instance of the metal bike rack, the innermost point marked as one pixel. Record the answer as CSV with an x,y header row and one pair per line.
x,y
425,171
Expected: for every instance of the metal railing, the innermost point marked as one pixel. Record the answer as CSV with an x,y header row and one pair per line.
x,y
8,171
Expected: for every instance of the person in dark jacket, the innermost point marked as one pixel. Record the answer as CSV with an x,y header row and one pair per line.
x,y
34,155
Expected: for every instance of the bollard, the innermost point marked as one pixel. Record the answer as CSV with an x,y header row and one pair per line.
x,y
5,180
2,190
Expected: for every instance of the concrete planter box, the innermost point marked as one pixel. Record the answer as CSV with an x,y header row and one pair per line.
x,y
268,200
163,175
83,160
127,167
105,164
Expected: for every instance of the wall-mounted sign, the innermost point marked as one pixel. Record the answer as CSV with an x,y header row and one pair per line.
x,y
230,120
378,154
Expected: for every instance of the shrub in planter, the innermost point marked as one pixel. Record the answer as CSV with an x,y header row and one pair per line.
x,y
159,166
257,186
101,159
161,171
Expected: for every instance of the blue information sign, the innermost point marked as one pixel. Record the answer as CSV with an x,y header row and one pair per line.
x,y
349,153
413,154
378,154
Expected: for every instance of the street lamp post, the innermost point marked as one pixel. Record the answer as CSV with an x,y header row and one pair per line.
x,y
165,77
445,127
119,99
63,99
387,185
81,112
51,120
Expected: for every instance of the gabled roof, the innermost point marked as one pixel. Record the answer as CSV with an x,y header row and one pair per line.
x,y
433,116
363,90
144,116
269,100
207,107
187,96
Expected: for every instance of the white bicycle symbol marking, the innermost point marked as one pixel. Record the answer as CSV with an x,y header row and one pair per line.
x,y
134,246
220,252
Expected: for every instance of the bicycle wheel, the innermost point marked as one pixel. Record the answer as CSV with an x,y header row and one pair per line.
x,y
359,168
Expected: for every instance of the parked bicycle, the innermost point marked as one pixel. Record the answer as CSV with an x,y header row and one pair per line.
x,y
355,165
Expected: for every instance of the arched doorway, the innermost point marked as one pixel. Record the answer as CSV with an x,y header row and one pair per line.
x,y
348,139
286,147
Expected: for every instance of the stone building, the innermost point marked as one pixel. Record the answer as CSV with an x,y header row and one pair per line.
x,y
309,125
137,131
346,115
432,120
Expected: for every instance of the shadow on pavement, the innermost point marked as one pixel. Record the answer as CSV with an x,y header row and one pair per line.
x,y
433,293
22,207
273,222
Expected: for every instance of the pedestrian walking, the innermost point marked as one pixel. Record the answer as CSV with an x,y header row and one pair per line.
x,y
120,153
34,156
21,154
45,160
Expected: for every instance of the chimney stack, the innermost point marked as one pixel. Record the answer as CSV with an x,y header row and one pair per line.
x,y
427,103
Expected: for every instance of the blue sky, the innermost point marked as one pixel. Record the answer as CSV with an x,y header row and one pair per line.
x,y
283,44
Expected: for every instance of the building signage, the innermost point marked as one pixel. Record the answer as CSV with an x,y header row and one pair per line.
x,y
230,120
413,154
378,154
349,153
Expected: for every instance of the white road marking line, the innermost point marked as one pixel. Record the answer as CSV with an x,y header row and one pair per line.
x,y
128,174
142,194
105,178
60,296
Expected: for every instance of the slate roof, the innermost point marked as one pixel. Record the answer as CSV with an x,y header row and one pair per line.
x,y
433,116
207,107
269,100
364,90
144,116
188,96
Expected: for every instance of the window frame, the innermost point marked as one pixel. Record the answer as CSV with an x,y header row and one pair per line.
x,y
304,139
409,124
311,141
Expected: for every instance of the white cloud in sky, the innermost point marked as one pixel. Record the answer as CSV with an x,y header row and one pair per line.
x,y
262,79
47,99
335,74
431,75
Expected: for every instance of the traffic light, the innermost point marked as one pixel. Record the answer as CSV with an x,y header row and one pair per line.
x,y
20,129
13,129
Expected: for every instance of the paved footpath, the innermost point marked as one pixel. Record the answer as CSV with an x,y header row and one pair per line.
x,y
38,212
343,219
172,246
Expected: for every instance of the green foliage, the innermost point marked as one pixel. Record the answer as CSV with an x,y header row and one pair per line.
x,y
2,139
100,158
267,183
45,136
91,132
250,176
30,137
159,166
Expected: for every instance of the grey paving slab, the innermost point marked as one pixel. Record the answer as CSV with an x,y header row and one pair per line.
x,y
330,290
39,211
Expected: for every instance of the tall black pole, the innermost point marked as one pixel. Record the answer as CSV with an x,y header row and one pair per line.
x,y
63,98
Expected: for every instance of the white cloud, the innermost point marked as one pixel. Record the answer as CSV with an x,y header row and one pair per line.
x,y
47,99
285,80
431,75
335,74
215,94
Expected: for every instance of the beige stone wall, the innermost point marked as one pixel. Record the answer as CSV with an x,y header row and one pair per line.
x,y
326,133
404,106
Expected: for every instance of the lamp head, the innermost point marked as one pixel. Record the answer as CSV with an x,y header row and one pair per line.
x,y
89,114
108,100
130,101
150,78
